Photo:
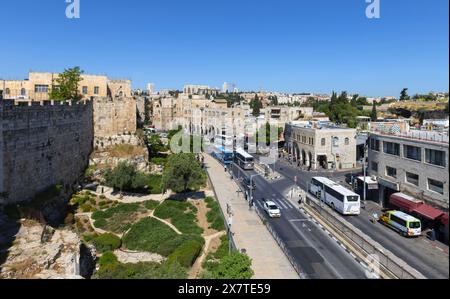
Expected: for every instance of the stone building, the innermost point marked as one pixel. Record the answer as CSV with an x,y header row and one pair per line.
x,y
39,84
320,146
114,116
412,162
42,144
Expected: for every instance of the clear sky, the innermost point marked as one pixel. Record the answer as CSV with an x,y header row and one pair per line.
x,y
282,45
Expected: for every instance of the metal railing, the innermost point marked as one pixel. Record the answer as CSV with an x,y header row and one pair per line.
x,y
417,135
227,226
386,259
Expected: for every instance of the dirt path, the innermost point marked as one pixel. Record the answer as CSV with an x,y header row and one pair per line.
x,y
211,236
212,242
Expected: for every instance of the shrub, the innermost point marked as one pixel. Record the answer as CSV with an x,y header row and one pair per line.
x,y
182,215
116,270
100,223
214,215
154,236
108,258
86,208
151,204
186,254
107,242
117,219
234,266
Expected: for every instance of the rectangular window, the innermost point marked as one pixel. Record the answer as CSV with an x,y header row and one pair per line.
x,y
41,88
374,166
85,89
375,144
392,148
412,152
96,90
392,172
436,186
412,178
435,157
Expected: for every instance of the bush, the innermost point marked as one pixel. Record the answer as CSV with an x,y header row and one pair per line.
x,y
214,215
154,183
186,254
154,236
108,258
151,204
182,215
100,223
107,242
116,270
234,266
117,219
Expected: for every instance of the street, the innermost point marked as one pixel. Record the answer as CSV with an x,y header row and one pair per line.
x,y
418,253
316,252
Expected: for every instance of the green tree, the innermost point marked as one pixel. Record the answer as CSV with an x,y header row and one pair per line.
x,y
183,173
234,266
155,145
65,87
121,177
374,115
404,95
256,106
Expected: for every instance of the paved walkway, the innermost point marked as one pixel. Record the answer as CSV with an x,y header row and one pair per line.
x,y
268,260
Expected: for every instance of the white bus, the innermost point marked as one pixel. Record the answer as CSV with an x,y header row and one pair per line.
x,y
224,140
244,160
336,196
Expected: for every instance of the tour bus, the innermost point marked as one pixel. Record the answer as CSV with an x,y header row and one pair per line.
x,y
224,140
244,159
405,224
224,155
336,196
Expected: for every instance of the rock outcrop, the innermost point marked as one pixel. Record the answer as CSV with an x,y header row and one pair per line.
x,y
40,252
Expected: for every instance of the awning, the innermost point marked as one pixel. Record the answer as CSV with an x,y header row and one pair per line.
x,y
405,202
428,212
444,219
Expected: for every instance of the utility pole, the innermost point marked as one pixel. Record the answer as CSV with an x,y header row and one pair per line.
x,y
364,171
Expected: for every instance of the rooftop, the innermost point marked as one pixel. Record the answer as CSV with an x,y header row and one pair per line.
x,y
416,135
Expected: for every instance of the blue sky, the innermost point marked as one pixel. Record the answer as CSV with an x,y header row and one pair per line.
x,y
283,45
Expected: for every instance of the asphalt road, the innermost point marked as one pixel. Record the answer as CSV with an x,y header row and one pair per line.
x,y
318,255
418,253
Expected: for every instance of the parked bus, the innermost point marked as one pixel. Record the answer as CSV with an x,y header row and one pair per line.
x,y
224,140
224,155
405,224
244,159
336,196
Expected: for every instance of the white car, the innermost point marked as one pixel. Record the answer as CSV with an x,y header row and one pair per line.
x,y
272,209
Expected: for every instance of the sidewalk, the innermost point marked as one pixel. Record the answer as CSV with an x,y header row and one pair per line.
x,y
268,260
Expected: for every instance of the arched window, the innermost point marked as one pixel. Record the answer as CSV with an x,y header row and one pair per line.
x,y
23,92
7,91
347,141
323,142
336,141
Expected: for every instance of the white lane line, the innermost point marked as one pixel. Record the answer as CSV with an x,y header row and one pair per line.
x,y
342,245
280,203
